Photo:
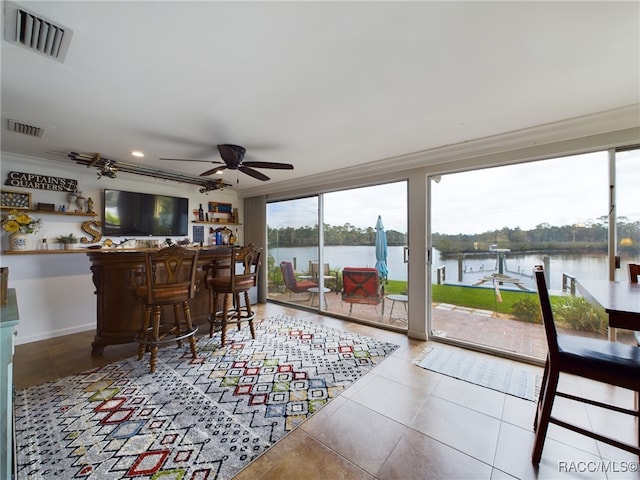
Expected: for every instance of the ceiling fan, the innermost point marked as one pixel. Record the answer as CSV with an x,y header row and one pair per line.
x,y
233,156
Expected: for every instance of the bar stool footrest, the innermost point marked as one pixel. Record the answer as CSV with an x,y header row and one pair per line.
x,y
232,315
166,333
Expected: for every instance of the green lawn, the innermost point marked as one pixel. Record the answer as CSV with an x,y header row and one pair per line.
x,y
395,287
467,296
479,297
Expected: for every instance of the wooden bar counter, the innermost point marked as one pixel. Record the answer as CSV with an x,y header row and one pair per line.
x,y
119,313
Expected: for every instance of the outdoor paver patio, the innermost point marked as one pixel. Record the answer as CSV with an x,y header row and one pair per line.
x,y
474,326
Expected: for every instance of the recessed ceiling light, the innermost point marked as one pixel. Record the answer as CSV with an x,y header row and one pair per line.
x,y
136,153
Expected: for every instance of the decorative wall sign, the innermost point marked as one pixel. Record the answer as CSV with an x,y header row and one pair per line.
x,y
198,234
17,200
41,182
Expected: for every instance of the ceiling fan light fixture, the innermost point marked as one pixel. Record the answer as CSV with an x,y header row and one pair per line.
x,y
233,159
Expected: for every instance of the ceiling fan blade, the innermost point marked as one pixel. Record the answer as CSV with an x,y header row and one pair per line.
x,y
189,160
213,170
274,165
231,154
253,173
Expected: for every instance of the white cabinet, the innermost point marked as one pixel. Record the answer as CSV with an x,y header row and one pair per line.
x,y
8,322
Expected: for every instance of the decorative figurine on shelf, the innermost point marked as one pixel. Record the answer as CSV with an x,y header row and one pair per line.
x,y
80,202
71,199
225,236
90,205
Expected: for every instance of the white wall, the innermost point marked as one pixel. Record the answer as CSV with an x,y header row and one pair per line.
x,y
55,292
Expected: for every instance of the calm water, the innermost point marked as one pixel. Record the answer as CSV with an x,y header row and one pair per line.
x,y
338,257
473,267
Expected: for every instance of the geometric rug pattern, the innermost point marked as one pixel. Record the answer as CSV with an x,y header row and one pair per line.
x,y
195,419
481,371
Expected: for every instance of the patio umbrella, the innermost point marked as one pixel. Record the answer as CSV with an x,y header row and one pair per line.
x,y
381,249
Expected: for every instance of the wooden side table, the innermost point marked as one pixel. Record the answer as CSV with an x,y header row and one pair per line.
x,y
8,321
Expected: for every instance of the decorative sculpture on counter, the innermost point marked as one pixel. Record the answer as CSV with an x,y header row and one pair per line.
x,y
95,233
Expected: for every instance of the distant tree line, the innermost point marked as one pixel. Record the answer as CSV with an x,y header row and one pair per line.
x,y
346,234
584,238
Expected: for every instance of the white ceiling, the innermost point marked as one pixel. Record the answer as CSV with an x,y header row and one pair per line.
x,y
321,85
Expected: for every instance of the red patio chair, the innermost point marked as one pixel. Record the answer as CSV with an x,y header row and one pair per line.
x,y
291,282
362,285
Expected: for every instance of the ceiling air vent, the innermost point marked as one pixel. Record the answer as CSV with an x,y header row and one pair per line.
x,y
19,127
35,32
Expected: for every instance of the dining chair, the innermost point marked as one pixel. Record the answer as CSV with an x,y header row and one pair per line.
x,y
634,272
612,363
229,282
168,278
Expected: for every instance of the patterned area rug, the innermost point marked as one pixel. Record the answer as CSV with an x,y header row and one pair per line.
x,y
192,419
480,371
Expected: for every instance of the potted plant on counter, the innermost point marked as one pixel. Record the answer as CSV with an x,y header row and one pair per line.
x,y
67,241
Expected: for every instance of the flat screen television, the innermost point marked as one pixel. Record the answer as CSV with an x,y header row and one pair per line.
x,y
132,214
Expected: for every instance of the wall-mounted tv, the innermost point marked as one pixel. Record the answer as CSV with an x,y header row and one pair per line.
x,y
132,214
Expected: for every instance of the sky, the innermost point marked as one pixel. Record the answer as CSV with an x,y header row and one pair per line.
x,y
358,207
566,191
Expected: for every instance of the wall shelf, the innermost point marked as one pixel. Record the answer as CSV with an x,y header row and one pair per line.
x,y
52,212
45,252
203,222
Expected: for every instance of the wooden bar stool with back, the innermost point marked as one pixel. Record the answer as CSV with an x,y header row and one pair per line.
x,y
226,281
169,279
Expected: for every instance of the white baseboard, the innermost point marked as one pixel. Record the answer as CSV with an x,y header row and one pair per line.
x,y
22,340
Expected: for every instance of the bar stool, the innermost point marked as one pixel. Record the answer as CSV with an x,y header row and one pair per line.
x,y
226,281
169,278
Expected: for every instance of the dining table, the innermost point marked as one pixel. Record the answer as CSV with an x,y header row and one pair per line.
x,y
620,299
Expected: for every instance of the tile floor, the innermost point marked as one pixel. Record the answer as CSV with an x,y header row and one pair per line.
x,y
400,421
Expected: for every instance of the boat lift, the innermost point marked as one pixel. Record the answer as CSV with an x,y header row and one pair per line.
x,y
501,266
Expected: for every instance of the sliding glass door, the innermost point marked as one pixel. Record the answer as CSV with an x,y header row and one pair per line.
x,y
492,226
364,237
364,232
627,167
292,242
